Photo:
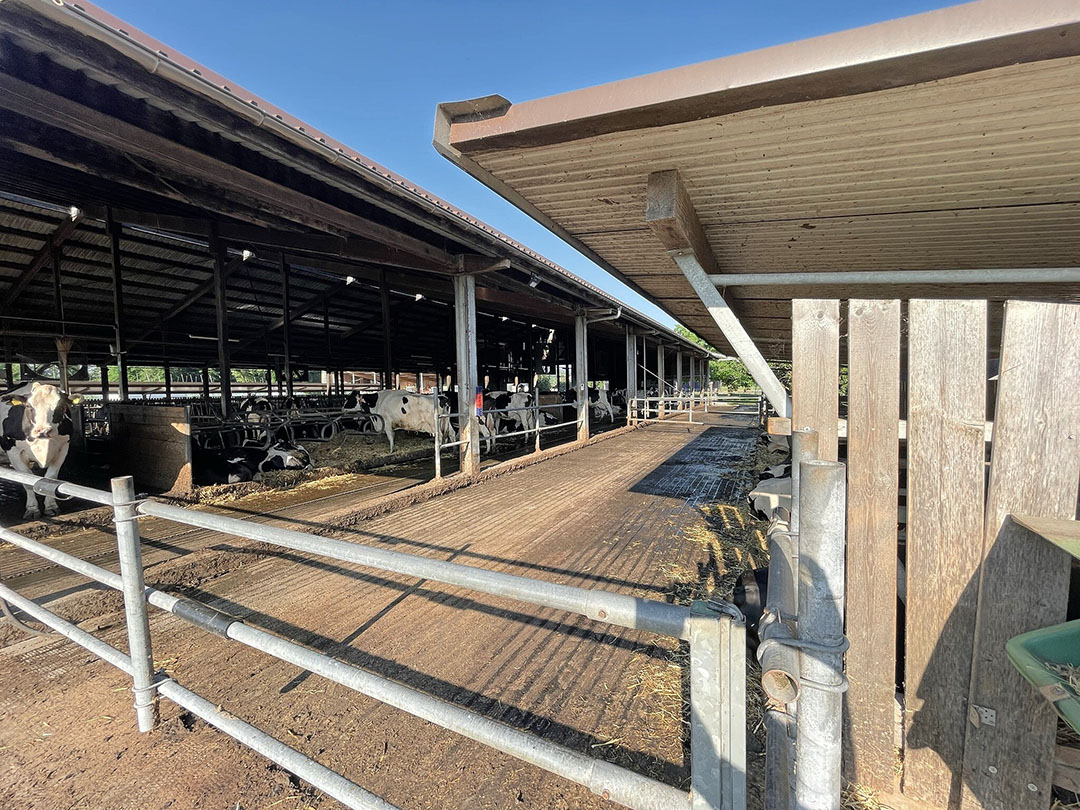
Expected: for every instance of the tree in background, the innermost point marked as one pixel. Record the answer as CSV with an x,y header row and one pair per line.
x,y
730,372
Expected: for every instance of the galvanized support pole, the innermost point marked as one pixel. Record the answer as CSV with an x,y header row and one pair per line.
x,y
119,349
678,372
465,342
822,515
631,366
693,381
138,623
438,432
286,328
804,447
581,375
717,707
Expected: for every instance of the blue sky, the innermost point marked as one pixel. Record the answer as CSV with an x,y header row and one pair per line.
x,y
371,73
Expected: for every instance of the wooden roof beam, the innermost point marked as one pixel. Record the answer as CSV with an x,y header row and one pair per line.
x,y
60,234
671,216
193,297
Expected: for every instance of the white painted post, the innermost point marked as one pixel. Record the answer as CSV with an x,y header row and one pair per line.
x,y
465,341
581,375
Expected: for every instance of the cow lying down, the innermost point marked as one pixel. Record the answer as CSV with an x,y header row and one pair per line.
x,y
36,419
233,465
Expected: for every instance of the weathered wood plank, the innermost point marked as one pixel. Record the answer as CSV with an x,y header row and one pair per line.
x,y
873,482
815,370
946,494
1024,580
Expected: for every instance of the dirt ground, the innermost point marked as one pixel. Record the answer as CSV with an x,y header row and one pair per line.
x,y
656,513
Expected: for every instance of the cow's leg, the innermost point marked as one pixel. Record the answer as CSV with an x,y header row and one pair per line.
x,y
32,511
51,506
388,429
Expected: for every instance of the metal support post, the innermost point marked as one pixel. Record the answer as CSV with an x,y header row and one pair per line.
x,y
138,623
438,431
631,366
581,375
717,707
661,376
822,515
465,340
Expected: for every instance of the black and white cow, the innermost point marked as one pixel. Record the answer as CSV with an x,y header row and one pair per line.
x,y
36,419
599,402
233,465
518,406
401,410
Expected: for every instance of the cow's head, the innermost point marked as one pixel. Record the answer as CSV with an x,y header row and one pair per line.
x,y
356,402
45,410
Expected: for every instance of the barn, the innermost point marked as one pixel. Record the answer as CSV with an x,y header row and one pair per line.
x,y
581,611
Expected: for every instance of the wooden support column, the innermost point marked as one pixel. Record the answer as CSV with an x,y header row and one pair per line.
x,y
465,342
118,304
206,383
815,370
286,328
870,598
221,308
671,215
581,375
269,381
388,348
104,385
9,376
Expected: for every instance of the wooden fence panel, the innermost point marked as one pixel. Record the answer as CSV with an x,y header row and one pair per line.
x,y
1024,581
815,369
870,599
946,495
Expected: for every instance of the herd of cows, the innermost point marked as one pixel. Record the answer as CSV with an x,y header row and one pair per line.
x,y
501,414
37,428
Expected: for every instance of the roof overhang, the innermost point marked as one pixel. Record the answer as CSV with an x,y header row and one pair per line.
x,y
946,140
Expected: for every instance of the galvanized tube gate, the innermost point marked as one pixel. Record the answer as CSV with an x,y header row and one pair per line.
x,y
715,630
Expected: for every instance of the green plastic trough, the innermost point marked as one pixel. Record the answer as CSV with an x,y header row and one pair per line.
x,y
1060,644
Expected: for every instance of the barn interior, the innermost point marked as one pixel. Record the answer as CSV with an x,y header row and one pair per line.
x,y
153,214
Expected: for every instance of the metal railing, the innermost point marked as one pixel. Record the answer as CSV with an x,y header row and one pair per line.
x,y
672,406
715,630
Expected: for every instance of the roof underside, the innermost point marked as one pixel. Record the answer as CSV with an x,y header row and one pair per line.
x,y
978,170
82,124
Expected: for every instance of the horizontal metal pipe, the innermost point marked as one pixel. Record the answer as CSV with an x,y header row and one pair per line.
x,y
326,780
614,608
1034,275
622,785
63,488
611,781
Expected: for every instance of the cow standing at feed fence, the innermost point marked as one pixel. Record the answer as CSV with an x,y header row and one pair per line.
x,y
36,419
599,402
518,407
401,410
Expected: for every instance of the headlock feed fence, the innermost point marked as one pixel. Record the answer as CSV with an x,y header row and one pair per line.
x,y
715,631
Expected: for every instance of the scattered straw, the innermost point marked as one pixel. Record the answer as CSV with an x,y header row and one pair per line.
x,y
1068,673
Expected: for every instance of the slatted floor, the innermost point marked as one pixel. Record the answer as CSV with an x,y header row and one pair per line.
x,y
617,515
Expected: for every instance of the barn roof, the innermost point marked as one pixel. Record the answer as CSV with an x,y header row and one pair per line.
x,y
97,115
946,140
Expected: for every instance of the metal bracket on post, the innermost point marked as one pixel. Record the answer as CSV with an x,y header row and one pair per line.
x,y
138,622
717,706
